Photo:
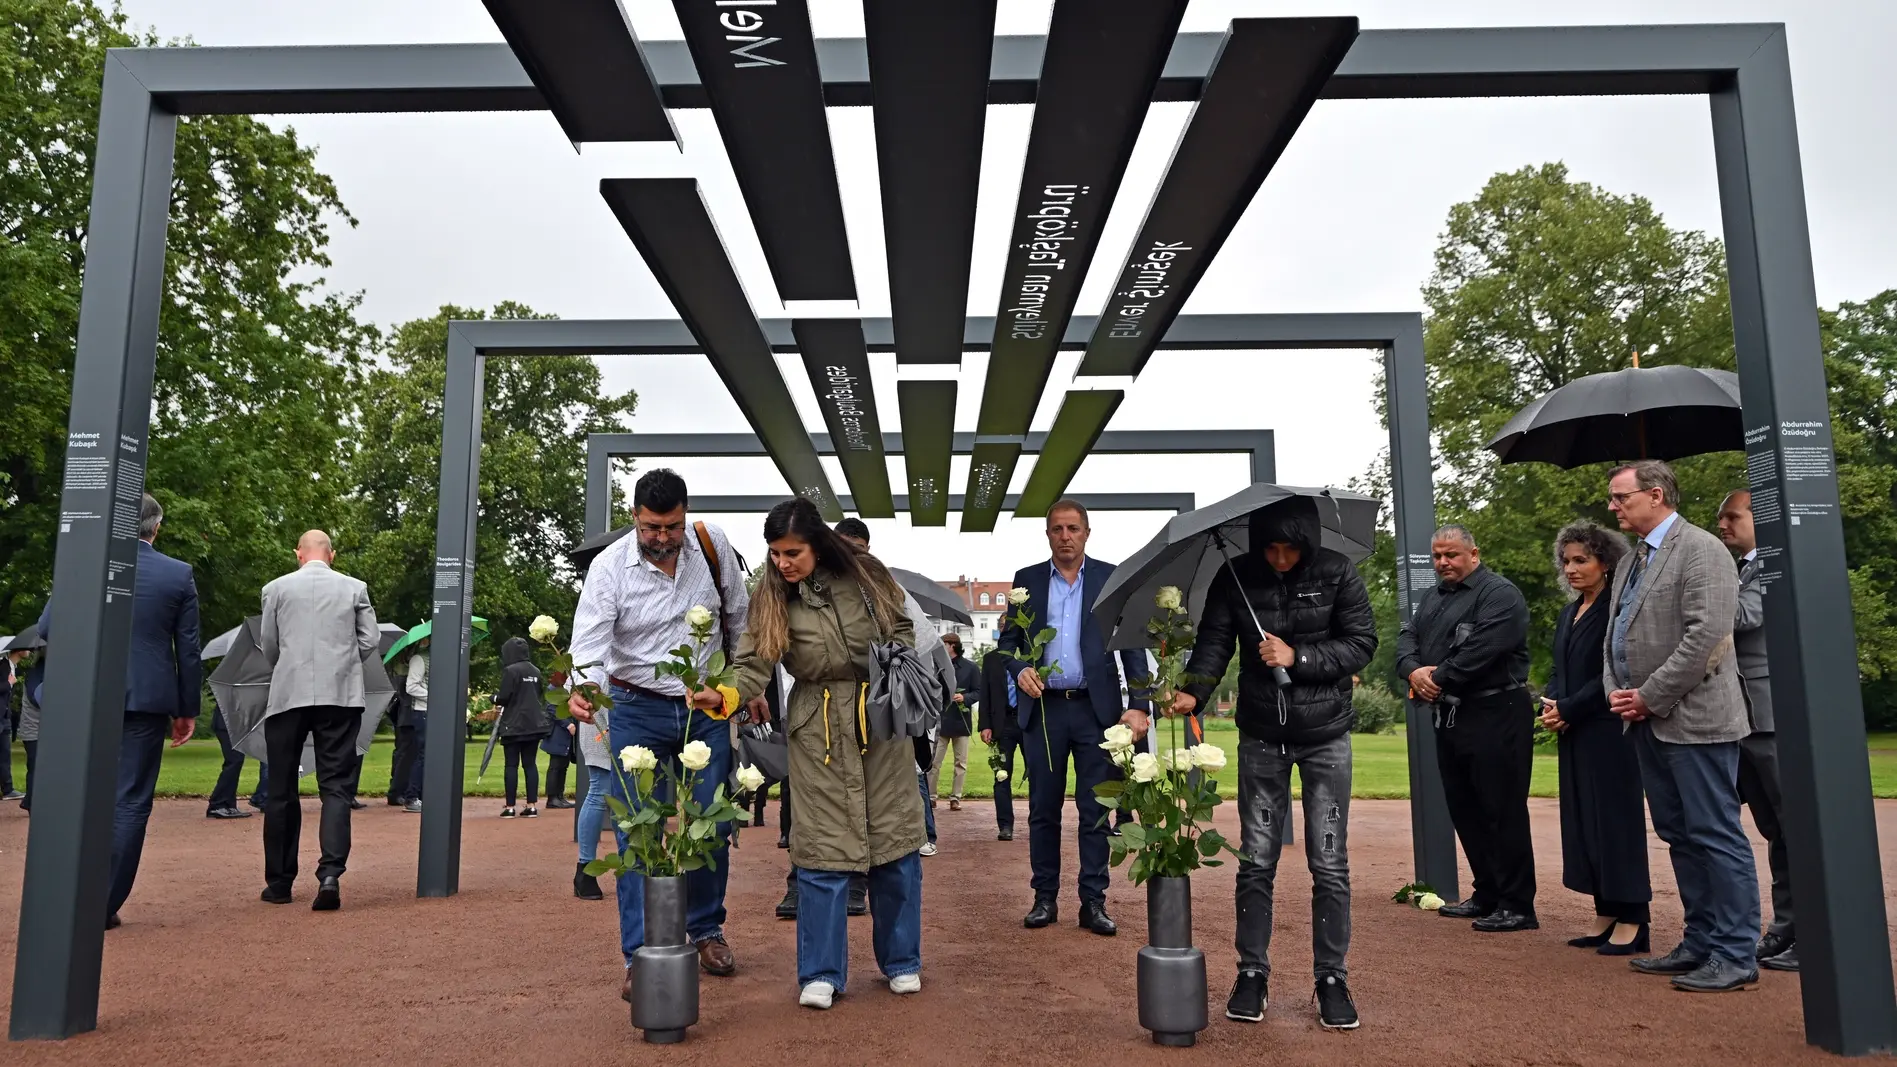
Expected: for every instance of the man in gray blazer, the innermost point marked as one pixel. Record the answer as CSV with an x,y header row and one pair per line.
x,y
317,629
1670,675
1758,753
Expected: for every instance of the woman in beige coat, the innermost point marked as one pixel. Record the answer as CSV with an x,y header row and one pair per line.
x,y
819,608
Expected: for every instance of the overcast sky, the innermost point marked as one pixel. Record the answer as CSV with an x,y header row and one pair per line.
x,y
476,209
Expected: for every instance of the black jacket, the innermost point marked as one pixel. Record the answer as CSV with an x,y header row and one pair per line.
x,y
1474,632
997,714
523,709
1319,608
958,720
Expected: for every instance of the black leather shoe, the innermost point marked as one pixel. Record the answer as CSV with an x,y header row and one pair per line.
x,y
1004,835
274,896
1094,917
1464,909
226,813
1716,976
112,921
1044,913
783,840
1678,961
1784,961
859,902
586,886
356,805
1772,944
329,895
1639,946
787,907
1504,921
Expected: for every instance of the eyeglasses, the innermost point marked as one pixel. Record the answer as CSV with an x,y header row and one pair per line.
x,y
1615,499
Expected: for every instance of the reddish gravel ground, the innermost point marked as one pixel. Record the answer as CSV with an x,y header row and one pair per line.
x,y
515,970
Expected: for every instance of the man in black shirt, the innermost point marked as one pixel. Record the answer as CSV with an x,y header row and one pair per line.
x,y
1465,653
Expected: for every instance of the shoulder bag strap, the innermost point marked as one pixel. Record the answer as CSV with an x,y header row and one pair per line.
x,y
717,576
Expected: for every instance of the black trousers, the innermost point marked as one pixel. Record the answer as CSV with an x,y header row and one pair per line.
x,y
334,732
524,752
404,766
1008,745
224,793
1065,728
556,777
1485,753
32,750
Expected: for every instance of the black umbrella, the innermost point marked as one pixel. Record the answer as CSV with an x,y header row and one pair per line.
x,y
1191,548
1637,413
241,685
937,600
220,646
27,638
582,556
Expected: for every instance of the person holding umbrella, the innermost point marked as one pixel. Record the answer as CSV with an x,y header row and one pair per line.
x,y
416,687
1300,619
317,628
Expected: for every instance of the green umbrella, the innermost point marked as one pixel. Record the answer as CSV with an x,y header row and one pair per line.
x,y
419,632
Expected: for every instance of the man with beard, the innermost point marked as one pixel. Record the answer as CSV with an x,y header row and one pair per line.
x,y
630,616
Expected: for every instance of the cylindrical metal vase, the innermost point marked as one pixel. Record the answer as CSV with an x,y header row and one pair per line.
x,y
665,968
1172,993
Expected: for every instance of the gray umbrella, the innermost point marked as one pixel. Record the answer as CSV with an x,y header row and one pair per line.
x,y
220,646
241,685
1191,548
937,600
1638,413
27,638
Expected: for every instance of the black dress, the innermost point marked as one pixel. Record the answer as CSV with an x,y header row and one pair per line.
x,y
1603,811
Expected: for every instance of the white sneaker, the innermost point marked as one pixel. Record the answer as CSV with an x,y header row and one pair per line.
x,y
928,848
817,995
906,983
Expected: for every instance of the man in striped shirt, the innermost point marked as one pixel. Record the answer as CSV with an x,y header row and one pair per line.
x,y
630,616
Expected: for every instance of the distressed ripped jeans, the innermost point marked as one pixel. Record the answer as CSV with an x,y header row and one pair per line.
x,y
1264,803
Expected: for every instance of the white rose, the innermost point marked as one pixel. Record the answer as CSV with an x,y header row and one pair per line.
x,y
636,758
1001,776
695,756
1208,757
750,779
1017,596
699,617
1168,598
1119,738
1145,767
543,628
1183,759
1429,902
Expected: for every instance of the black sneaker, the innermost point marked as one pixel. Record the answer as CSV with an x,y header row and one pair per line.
x,y
1248,998
1335,1009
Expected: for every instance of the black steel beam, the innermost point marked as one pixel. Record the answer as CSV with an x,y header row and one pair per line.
x,y
1103,58
1082,418
1258,443
928,420
838,366
758,503
929,63
758,63
1261,86
1830,824
990,469
1382,65
668,222
585,59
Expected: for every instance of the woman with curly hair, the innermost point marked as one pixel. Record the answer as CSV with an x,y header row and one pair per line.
x,y
1603,811
818,609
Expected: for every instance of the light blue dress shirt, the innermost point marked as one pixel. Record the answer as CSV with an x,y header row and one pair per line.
x,y
1650,545
1065,615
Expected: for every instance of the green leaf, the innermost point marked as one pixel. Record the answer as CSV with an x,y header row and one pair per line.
x,y
1109,789
1134,834
618,806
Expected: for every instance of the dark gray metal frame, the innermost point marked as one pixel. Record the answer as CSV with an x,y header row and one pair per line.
x,y
1744,69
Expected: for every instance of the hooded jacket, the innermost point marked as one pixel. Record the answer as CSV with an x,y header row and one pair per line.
x,y
523,710
1319,607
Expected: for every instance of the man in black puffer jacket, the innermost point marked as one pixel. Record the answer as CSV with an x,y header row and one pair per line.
x,y
1317,630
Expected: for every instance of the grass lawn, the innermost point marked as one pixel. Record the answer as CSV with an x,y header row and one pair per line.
x,y
1381,769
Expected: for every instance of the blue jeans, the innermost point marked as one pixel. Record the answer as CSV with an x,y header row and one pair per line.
x,y
1692,791
141,748
592,817
928,809
895,909
660,725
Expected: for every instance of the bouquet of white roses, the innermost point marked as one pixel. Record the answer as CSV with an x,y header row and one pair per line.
x,y
1036,646
667,831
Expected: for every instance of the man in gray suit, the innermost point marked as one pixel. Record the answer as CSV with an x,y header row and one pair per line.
x,y
317,628
1671,677
1758,753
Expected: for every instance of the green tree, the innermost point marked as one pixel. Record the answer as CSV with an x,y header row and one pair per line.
x,y
538,413
255,370
1861,369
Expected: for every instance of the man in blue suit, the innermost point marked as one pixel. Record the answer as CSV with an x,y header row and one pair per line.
x,y
162,674
1067,713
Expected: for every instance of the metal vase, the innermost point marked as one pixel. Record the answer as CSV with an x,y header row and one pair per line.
x,y
1172,992
665,968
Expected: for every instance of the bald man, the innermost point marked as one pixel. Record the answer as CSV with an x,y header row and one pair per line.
x,y
318,628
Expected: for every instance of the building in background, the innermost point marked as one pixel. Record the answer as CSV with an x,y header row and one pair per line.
x,y
986,603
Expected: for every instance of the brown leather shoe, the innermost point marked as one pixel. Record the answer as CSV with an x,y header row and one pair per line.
x,y
625,991
716,958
